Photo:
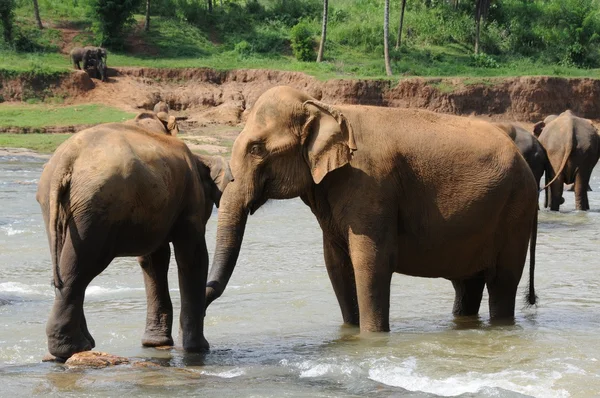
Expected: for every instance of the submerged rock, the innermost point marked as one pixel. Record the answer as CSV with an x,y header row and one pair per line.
x,y
94,359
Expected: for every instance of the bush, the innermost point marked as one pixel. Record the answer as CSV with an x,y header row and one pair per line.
x,y
482,60
303,44
243,49
111,19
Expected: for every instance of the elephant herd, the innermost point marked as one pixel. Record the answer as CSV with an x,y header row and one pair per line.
x,y
90,58
394,191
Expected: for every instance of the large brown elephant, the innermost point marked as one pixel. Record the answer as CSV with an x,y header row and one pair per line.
x,y
128,189
573,147
405,191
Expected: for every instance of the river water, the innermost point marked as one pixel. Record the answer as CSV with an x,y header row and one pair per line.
x,y
276,331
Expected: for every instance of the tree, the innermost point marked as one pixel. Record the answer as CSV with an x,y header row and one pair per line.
x,y
210,6
481,9
147,23
399,39
36,12
110,19
7,17
323,31
386,40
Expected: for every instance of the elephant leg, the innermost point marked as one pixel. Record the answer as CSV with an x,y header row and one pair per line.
x,y
341,275
556,193
192,266
66,328
582,181
468,293
373,278
502,282
159,316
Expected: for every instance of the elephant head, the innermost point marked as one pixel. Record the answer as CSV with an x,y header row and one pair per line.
x,y
160,123
215,175
161,106
290,142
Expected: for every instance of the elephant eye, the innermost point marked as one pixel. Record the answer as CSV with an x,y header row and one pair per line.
x,y
257,149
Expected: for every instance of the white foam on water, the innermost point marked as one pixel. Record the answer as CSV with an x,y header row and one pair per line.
x,y
406,376
99,291
310,369
10,231
228,374
22,289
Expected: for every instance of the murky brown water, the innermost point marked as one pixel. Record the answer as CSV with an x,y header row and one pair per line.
x,y
276,332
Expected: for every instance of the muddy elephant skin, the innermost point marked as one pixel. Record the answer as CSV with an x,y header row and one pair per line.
x,y
394,190
128,189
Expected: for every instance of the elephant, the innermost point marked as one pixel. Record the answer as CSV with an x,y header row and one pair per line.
x,y
393,190
125,189
90,57
531,149
161,106
573,147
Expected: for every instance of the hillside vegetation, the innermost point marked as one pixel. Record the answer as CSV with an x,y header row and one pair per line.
x,y
518,37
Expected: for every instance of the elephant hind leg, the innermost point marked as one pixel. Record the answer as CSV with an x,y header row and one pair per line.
x,y
159,316
468,293
582,181
66,328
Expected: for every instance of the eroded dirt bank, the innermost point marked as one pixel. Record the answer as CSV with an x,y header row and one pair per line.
x,y
208,96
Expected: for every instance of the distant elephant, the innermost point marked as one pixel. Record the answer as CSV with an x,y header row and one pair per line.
x,y
531,149
161,106
90,57
120,189
394,190
573,147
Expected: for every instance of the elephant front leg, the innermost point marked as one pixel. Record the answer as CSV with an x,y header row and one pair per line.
x,y
192,266
556,193
373,275
341,275
468,293
159,316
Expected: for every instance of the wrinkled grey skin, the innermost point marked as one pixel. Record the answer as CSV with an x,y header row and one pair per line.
x,y
531,149
573,147
394,191
128,189
90,57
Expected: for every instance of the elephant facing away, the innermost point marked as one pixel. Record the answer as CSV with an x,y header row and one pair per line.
x,y
531,149
90,57
573,147
124,189
394,190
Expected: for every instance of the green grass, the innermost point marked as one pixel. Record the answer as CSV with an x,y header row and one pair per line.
x,y
44,143
37,116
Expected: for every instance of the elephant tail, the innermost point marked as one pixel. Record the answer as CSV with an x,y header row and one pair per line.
x,y
531,297
60,184
566,154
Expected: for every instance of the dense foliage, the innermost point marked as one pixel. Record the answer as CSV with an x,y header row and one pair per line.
x,y
7,14
437,34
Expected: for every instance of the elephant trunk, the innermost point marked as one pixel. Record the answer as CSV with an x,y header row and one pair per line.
x,y
233,215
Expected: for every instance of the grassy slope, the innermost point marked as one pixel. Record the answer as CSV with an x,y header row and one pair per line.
x,y
43,115
45,143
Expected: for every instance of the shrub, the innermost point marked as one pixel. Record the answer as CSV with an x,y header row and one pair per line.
x,y
111,19
7,17
303,44
243,49
482,60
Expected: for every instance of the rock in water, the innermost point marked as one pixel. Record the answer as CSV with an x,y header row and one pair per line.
x,y
94,359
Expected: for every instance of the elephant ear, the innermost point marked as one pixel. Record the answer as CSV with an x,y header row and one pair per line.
x,y
538,128
328,138
215,174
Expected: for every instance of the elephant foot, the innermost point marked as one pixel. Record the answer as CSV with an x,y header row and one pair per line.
x,y
156,340
196,345
51,358
65,346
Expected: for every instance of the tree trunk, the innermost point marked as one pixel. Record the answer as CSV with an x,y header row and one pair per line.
x,y
399,40
323,31
210,6
456,4
477,24
36,12
386,40
147,24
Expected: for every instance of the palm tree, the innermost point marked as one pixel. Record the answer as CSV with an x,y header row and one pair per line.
x,y
399,39
323,31
147,24
36,12
386,32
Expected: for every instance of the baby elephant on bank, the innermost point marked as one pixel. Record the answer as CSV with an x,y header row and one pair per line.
x,y
90,57
128,189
